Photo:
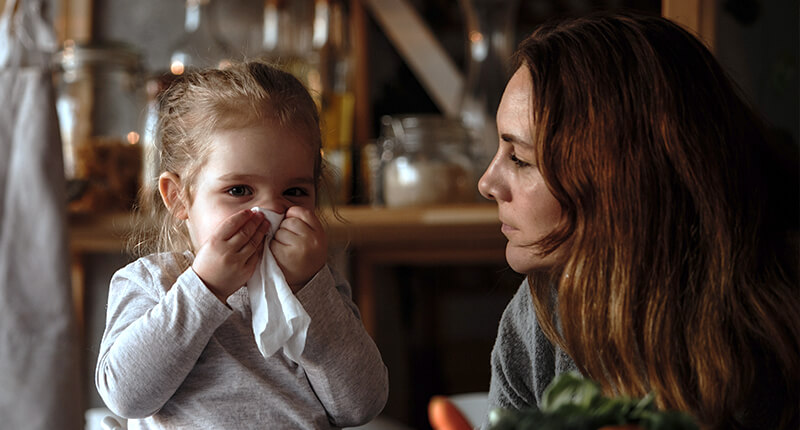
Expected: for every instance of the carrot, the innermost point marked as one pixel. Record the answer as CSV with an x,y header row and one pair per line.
x,y
444,415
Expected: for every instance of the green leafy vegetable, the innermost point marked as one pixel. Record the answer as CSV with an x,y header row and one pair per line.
x,y
572,402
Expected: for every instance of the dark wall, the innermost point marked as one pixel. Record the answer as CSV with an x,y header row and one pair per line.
x,y
759,44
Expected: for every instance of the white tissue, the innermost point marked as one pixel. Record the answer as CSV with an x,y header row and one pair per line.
x,y
279,319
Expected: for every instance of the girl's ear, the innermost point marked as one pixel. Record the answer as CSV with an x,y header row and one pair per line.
x,y
169,185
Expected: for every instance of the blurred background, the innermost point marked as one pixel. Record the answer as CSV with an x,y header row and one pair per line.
x,y
407,91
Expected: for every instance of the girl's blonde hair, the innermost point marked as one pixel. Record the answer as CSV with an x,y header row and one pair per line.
x,y
676,279
205,101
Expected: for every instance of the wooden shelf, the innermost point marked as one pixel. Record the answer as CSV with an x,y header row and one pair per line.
x,y
355,226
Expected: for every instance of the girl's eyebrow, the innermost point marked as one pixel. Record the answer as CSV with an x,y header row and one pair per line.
x,y
237,177
301,180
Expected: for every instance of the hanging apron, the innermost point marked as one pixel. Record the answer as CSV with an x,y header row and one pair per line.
x,y
40,379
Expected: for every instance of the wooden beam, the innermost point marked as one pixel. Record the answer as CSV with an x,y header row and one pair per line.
x,y
423,53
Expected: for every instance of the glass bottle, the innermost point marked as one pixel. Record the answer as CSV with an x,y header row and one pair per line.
x,y
289,33
338,100
490,44
201,44
100,104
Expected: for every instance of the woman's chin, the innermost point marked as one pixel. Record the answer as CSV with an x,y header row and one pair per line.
x,y
522,260
525,261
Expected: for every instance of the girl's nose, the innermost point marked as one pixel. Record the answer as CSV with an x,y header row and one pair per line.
x,y
277,204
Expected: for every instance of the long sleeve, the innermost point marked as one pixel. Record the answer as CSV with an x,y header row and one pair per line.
x,y
340,359
155,332
174,356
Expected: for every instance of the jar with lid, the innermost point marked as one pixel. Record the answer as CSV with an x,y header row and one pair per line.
x,y
425,160
100,103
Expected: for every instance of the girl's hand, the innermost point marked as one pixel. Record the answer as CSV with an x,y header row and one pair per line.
x,y
230,256
300,246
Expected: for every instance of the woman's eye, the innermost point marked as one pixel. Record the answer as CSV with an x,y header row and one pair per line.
x,y
295,192
239,191
519,162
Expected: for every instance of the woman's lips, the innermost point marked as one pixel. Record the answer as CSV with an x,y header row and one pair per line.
x,y
505,228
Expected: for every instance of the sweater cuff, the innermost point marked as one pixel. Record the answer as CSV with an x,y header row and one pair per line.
x,y
191,285
317,294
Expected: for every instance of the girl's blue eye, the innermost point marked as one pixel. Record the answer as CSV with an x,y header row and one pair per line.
x,y
239,191
519,162
295,192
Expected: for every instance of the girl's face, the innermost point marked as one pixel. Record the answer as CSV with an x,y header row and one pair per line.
x,y
527,209
264,165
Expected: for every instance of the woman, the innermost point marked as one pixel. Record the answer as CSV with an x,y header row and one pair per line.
x,y
634,186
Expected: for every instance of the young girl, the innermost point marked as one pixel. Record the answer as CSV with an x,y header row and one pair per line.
x,y
178,350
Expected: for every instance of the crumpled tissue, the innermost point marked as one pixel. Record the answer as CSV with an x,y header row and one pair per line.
x,y
279,320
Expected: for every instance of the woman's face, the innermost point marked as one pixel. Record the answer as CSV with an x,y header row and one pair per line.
x,y
527,209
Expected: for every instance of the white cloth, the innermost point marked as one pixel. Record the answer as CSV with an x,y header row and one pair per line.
x,y
40,371
279,319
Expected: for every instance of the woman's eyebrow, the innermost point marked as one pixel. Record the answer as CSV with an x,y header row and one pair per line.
x,y
512,138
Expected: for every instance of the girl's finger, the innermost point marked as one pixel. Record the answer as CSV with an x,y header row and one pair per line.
x,y
256,239
284,238
247,231
243,237
293,226
306,215
233,224
254,259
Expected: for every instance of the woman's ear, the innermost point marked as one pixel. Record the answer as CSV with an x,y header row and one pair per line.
x,y
169,185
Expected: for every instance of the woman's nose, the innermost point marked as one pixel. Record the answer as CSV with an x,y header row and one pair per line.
x,y
488,185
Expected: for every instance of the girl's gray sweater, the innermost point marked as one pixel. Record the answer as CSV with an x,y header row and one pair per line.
x,y
174,356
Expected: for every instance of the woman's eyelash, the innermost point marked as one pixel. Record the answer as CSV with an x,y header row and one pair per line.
x,y
518,162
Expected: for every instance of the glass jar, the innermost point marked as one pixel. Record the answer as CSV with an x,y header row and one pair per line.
x,y
425,160
100,103
155,85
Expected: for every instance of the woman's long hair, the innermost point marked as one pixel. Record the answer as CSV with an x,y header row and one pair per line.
x,y
674,281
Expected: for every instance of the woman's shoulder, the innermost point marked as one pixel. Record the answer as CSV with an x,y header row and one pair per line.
x,y
524,351
519,310
518,326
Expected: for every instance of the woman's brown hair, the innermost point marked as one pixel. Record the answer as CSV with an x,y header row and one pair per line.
x,y
675,280
205,101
